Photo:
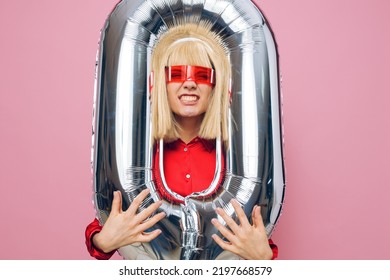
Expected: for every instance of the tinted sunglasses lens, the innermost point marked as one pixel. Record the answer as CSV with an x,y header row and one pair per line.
x,y
182,73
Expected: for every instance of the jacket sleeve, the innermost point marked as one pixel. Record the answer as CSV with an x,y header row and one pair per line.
x,y
274,249
92,229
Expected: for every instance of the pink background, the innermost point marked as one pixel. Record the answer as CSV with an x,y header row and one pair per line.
x,y
335,63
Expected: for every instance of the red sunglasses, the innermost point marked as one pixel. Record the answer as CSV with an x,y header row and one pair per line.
x,y
182,73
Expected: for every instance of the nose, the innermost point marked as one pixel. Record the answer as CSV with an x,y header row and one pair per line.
x,y
190,85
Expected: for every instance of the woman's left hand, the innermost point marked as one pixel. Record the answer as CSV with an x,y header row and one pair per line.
x,y
248,241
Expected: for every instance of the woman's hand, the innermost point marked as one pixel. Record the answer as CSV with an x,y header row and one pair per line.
x,y
248,241
127,227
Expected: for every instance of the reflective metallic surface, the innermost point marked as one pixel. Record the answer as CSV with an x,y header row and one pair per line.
x,y
122,152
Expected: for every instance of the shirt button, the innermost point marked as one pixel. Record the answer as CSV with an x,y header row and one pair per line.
x,y
185,149
188,176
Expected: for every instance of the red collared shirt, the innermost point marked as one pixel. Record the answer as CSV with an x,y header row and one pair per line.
x,y
188,168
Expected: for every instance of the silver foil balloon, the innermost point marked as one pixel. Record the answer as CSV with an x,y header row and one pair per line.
x,y
122,152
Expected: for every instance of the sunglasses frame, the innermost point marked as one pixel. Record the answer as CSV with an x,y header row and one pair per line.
x,y
182,73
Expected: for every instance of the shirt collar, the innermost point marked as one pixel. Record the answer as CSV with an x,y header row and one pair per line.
x,y
208,144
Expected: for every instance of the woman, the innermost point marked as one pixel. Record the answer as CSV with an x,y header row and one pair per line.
x,y
190,95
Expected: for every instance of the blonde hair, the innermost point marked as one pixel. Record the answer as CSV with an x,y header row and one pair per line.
x,y
191,44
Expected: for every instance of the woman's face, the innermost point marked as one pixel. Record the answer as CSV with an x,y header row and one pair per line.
x,y
189,98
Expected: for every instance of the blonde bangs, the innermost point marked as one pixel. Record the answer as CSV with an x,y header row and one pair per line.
x,y
190,54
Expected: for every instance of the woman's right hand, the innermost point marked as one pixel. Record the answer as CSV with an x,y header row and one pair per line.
x,y
127,227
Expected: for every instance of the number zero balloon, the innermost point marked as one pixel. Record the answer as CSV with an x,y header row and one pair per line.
x,y
122,150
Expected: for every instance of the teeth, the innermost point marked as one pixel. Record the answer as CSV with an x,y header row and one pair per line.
x,y
188,98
